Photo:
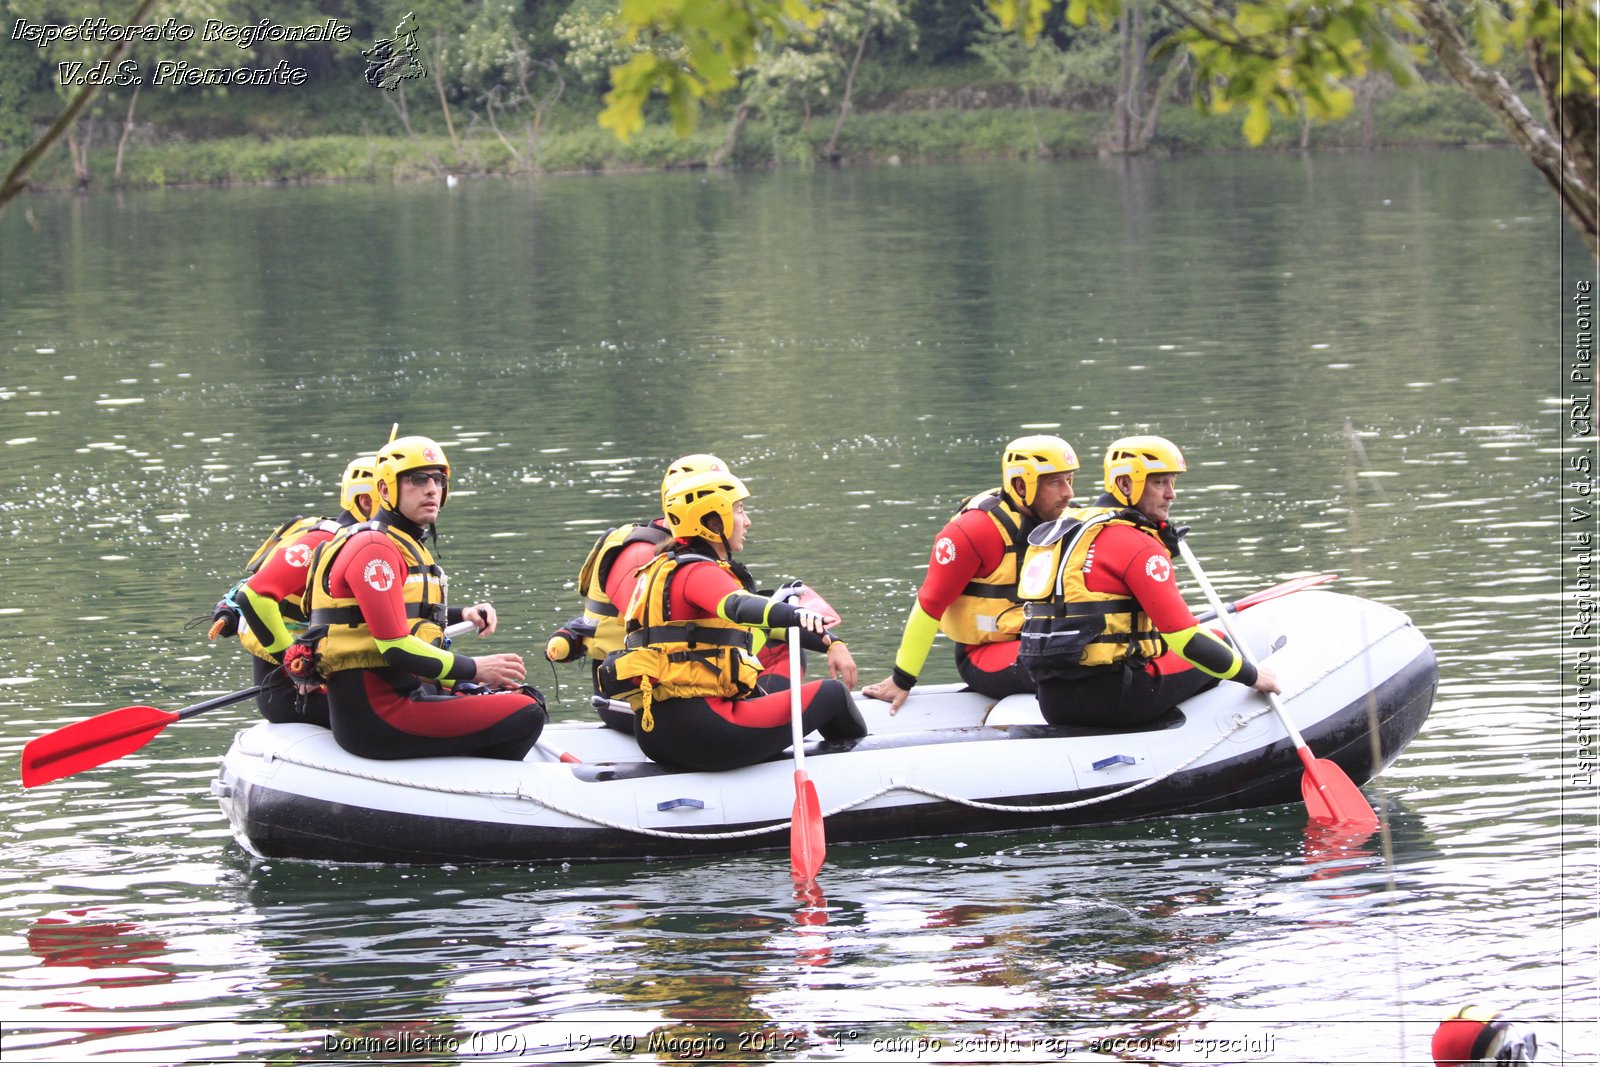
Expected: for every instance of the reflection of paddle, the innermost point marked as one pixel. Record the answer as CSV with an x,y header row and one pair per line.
x,y
1293,585
1331,797
807,846
114,734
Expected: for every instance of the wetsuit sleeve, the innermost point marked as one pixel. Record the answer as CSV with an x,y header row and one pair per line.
x,y
265,619
1148,574
750,609
624,574
375,573
283,574
711,590
969,545
915,643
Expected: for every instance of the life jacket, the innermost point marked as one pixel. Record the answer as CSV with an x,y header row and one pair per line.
x,y
598,609
1069,625
343,639
292,606
988,609
678,658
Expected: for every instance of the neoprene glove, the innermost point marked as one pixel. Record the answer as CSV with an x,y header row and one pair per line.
x,y
224,620
567,643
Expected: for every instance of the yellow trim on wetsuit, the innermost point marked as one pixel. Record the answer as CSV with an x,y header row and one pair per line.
x,y
916,642
412,645
266,609
1180,640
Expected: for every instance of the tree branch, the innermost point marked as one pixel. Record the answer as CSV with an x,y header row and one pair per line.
x,y
16,179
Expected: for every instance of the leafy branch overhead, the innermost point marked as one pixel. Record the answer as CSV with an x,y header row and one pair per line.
x,y
690,49
1266,58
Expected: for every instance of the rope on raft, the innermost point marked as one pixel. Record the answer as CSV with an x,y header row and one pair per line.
x,y
1240,721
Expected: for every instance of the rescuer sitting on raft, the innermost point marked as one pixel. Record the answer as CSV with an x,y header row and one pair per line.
x,y
970,590
378,612
688,666
266,608
606,582
1109,639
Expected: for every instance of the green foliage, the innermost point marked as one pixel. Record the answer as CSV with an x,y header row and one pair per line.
x,y
694,48
18,66
592,38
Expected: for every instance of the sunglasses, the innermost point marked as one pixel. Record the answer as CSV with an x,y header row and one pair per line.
x,y
420,479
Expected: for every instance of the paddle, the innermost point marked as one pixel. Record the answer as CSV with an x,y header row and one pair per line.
x,y
114,734
1331,797
807,846
106,737
1293,585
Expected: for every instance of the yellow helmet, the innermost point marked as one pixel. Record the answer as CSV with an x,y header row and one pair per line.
x,y
360,478
694,463
409,454
1137,457
1029,457
694,498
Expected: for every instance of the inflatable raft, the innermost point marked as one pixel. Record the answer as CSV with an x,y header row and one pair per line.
x,y
951,762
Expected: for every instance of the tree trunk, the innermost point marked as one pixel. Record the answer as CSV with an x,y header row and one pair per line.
x,y
1121,112
1168,79
740,117
1570,173
832,151
444,105
78,151
127,128
16,178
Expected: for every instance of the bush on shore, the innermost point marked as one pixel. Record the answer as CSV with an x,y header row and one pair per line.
x,y
1429,115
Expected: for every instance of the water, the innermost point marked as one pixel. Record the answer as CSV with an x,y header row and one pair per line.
x,y
1362,356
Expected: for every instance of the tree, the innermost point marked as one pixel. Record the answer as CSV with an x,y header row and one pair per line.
x,y
16,179
1303,58
1295,57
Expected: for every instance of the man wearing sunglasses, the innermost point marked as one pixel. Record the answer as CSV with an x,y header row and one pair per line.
x,y
378,613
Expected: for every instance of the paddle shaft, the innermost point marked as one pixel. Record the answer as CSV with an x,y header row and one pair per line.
x,y
807,843
795,728
1244,653
111,735
1329,794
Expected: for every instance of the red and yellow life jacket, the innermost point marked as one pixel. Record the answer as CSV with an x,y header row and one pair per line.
x,y
1068,623
670,658
347,642
988,609
606,617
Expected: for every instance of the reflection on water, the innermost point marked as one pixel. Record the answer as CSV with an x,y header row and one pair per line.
x,y
1342,346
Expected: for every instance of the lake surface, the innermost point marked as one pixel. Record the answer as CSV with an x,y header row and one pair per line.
x,y
1365,358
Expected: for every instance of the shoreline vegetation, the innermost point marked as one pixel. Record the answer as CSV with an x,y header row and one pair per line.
x,y
250,144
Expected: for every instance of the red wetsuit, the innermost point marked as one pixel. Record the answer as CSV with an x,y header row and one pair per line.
x,y
399,710
282,575
720,733
1132,562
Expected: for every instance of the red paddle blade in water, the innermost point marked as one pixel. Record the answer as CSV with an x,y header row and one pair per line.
x,y
91,743
1332,799
807,846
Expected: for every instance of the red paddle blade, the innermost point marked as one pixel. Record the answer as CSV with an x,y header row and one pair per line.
x,y
91,743
1332,799
807,846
